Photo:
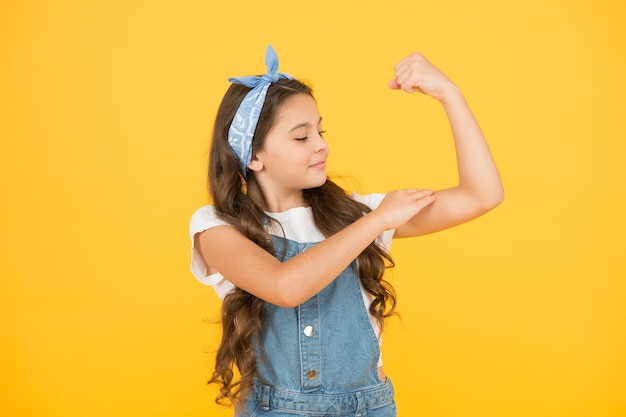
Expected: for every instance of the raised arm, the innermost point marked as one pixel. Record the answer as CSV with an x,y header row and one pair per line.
x,y
290,283
480,188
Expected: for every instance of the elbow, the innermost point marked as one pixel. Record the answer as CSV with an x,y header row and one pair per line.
x,y
287,295
280,289
288,305
287,301
493,199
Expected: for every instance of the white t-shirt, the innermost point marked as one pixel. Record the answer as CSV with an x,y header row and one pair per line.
x,y
297,224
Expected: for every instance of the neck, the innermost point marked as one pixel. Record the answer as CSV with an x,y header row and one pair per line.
x,y
273,201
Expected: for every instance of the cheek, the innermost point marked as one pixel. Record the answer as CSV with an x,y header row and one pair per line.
x,y
295,156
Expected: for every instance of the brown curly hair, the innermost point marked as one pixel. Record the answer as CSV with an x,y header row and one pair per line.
x,y
333,209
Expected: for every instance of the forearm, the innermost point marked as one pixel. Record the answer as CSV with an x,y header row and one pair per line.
x,y
305,275
319,265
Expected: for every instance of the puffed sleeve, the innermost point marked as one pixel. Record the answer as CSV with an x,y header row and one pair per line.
x,y
202,219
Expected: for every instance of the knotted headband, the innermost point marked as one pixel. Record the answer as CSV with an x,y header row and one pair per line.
x,y
244,124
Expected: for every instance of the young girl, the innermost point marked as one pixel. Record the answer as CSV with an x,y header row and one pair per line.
x,y
298,262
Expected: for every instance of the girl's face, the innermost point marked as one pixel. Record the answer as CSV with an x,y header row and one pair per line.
x,y
294,155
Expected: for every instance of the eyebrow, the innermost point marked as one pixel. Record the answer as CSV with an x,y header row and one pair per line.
x,y
304,124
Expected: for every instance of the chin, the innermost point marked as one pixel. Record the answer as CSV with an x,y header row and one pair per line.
x,y
316,184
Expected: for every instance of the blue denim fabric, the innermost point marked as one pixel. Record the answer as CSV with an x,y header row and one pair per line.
x,y
320,358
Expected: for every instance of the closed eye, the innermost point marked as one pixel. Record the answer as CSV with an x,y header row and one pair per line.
x,y
321,133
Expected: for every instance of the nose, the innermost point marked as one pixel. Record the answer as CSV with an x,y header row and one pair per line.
x,y
321,144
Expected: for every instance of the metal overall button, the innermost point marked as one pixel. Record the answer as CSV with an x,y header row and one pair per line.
x,y
311,374
309,331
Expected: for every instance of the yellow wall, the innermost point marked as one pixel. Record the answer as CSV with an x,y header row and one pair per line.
x,y
104,125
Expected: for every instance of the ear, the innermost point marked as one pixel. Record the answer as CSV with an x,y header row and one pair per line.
x,y
255,163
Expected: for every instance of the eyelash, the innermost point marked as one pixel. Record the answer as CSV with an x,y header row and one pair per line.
x,y
321,133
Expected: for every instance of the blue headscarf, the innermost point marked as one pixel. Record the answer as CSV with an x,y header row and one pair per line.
x,y
244,124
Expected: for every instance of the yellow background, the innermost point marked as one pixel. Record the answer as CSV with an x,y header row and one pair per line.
x,y
105,120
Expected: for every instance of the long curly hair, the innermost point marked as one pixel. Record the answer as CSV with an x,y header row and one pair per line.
x,y
242,316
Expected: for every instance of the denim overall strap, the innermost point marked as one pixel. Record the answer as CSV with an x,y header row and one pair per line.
x,y
320,358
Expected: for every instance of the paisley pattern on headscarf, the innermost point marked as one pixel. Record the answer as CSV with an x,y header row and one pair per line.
x,y
242,128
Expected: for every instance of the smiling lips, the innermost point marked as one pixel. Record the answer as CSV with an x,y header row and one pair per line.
x,y
321,164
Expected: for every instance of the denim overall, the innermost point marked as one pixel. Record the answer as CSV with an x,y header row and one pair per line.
x,y
319,359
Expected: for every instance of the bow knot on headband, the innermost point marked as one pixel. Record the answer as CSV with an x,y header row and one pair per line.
x,y
244,124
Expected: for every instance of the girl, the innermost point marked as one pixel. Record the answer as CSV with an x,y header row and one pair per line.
x,y
298,262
